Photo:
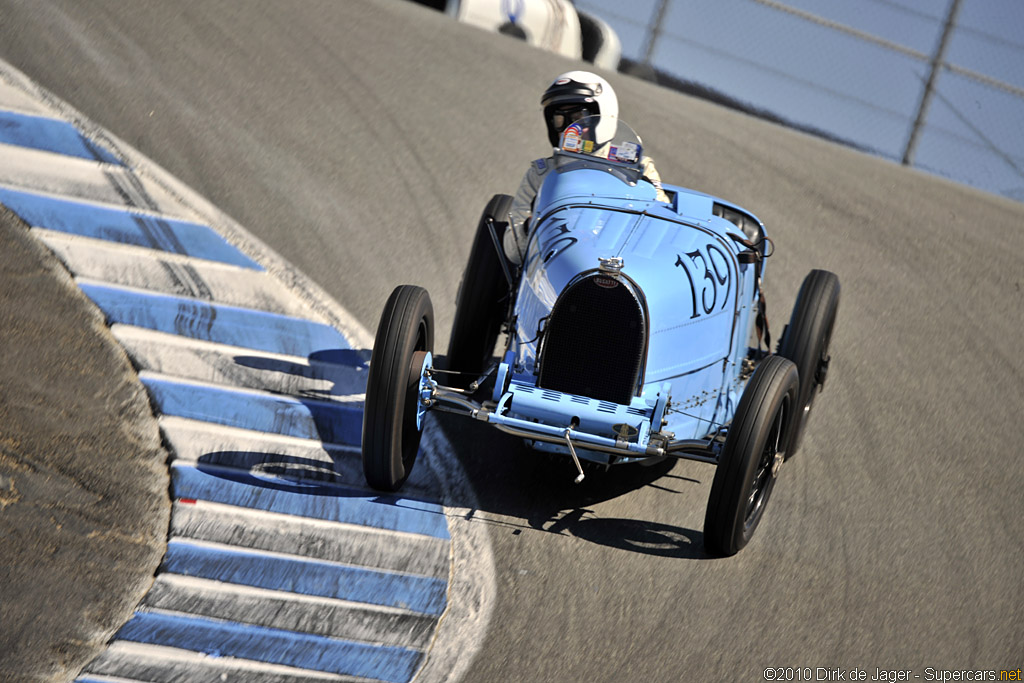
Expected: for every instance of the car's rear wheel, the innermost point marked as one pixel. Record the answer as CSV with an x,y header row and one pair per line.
x,y
751,456
806,342
481,302
391,433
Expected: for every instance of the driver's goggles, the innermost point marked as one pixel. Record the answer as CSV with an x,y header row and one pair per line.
x,y
562,117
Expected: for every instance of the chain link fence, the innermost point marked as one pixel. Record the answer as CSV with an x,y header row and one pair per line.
x,y
858,72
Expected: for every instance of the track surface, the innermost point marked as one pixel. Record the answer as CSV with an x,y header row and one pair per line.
x,y
361,140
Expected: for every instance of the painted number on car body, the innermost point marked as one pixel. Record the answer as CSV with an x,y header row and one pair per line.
x,y
711,267
554,240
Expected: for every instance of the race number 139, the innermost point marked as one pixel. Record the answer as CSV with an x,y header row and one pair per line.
x,y
711,269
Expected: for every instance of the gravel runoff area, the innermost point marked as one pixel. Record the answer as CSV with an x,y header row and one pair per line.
x,y
84,503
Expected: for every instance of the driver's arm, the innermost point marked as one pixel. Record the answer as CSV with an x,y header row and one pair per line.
x,y
516,236
652,176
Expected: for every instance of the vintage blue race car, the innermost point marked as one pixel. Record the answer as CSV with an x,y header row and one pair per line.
x,y
634,329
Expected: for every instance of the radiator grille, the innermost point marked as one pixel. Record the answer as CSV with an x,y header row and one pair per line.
x,y
594,341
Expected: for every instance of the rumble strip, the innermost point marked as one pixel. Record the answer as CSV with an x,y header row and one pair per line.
x,y
280,564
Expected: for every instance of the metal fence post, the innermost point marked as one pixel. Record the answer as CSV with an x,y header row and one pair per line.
x,y
929,86
655,31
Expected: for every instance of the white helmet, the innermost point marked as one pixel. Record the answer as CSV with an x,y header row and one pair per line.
x,y
576,94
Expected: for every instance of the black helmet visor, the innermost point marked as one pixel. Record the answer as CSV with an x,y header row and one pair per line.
x,y
567,101
559,115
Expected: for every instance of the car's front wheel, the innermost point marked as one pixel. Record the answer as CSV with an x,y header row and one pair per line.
x,y
753,452
391,429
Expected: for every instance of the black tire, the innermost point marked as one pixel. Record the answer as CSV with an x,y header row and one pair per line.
x,y
481,302
390,436
746,471
806,342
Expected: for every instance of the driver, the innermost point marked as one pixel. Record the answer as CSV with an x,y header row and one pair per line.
x,y
572,96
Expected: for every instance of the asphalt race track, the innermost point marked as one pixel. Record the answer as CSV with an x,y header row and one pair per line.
x,y
360,140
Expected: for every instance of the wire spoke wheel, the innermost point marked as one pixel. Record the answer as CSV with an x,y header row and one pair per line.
x,y
754,451
767,470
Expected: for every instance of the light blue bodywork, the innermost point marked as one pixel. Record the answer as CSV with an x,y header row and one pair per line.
x,y
701,298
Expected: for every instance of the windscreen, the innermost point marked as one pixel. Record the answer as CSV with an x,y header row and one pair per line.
x,y
606,139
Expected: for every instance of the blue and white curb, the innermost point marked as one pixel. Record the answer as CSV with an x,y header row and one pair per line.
x,y
280,565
